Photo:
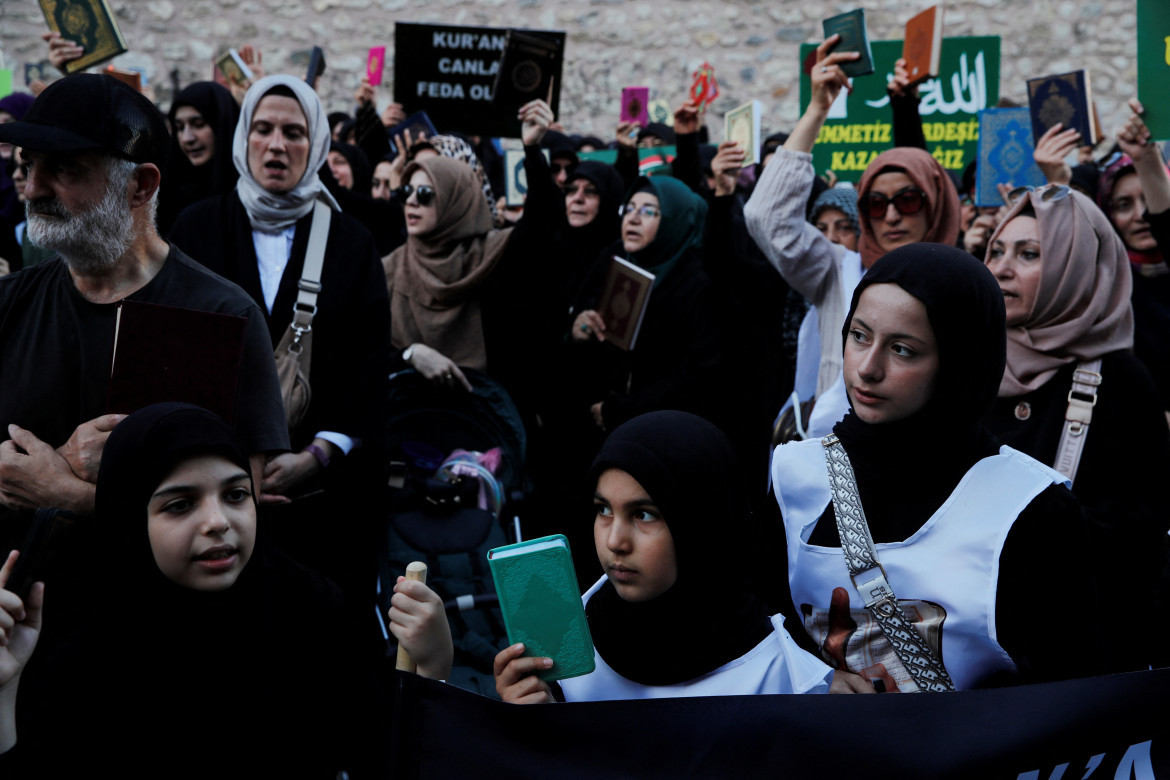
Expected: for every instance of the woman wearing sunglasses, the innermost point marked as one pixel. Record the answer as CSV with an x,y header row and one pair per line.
x,y
465,295
436,279
904,197
1074,396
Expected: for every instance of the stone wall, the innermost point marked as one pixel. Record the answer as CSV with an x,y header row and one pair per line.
x,y
753,45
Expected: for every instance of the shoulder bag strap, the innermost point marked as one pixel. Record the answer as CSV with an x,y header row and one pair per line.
x,y
1081,400
869,578
309,285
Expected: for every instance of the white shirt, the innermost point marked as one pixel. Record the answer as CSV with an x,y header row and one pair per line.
x,y
272,253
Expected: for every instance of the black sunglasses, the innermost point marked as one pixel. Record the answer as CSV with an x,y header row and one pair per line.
x,y
423,193
910,200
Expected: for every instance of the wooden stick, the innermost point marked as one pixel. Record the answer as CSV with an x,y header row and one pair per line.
x,y
416,570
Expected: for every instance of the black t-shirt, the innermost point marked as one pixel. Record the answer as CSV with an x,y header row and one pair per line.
x,y
56,348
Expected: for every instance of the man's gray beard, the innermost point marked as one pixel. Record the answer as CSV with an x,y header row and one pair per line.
x,y
91,242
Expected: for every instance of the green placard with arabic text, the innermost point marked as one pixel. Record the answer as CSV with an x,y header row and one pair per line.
x,y
1153,65
860,124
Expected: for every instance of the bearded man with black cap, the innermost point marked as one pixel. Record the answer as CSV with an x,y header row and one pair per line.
x,y
93,148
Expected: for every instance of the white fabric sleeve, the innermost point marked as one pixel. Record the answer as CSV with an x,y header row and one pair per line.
x,y
775,216
339,440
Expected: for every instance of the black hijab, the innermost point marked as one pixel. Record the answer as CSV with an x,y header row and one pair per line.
x,y
707,618
359,165
906,469
179,659
606,226
141,451
184,183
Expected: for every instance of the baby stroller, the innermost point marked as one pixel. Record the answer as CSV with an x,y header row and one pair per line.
x,y
457,482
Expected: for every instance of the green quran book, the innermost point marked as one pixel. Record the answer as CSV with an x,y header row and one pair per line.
x,y
1153,65
541,605
854,37
87,22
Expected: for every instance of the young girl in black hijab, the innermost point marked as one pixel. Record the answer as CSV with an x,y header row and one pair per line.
x,y
199,159
208,643
973,538
671,617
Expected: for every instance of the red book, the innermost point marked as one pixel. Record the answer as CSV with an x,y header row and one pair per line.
x,y
623,302
922,44
164,353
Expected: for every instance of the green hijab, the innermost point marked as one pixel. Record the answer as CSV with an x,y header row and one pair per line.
x,y
680,227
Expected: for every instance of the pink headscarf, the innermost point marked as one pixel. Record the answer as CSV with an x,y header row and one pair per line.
x,y
942,200
1082,309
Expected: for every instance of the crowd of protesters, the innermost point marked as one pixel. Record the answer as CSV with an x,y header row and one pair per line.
x,y
982,395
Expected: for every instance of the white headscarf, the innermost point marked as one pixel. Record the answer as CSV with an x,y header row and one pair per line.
x,y
271,212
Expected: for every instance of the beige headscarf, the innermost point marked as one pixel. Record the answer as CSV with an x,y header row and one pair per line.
x,y
1082,309
434,279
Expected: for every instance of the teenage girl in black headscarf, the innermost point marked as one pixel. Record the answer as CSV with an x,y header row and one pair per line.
x,y
198,632
199,159
972,537
670,617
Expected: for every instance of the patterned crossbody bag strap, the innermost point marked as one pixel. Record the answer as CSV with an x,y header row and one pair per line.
x,y
869,578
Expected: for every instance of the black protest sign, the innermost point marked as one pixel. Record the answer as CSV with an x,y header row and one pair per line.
x,y
450,73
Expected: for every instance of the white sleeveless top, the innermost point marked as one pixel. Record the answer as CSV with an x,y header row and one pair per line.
x,y
775,665
945,574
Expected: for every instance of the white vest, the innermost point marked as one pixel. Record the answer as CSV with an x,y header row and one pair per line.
x,y
775,665
945,574
810,345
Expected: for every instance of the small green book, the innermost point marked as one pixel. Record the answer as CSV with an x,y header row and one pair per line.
x,y
541,606
851,27
1153,65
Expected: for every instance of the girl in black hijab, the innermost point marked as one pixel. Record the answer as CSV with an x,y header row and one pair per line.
x,y
198,624
199,158
668,618
970,534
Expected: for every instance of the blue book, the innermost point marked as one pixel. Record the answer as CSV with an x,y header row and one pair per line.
x,y
1066,98
1006,153
419,125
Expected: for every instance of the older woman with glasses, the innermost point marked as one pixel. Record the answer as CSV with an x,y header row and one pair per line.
x,y
677,344
1074,396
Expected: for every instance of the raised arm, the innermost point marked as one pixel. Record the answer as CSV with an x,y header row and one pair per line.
x,y
687,167
904,105
20,627
775,213
1134,139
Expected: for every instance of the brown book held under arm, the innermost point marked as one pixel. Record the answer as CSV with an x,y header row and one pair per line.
x,y
164,353
87,22
922,44
623,302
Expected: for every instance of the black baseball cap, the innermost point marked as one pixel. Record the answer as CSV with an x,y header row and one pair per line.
x,y
90,111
